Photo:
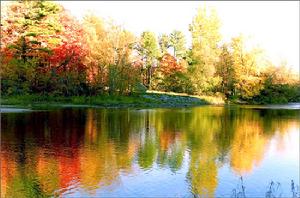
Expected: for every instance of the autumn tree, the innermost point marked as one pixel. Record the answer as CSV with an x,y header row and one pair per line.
x,y
247,80
204,54
45,32
67,59
34,27
225,70
100,50
171,75
44,49
70,50
168,65
25,42
171,72
27,26
123,74
280,85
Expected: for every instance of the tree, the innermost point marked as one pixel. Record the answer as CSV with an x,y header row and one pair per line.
x,y
28,28
205,39
168,65
123,72
225,70
45,32
247,80
177,41
149,51
100,50
164,43
171,75
280,85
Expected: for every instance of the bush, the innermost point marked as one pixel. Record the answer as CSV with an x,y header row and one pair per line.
x,y
25,77
278,93
17,76
176,82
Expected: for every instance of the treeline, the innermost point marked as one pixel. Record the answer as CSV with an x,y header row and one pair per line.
x,y
46,50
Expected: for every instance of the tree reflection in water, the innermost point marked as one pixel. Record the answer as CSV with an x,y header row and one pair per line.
x,y
61,151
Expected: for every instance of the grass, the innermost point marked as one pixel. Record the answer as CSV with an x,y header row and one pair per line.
x,y
149,99
273,190
216,100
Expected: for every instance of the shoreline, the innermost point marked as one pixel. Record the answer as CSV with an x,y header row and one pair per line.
x,y
147,100
24,103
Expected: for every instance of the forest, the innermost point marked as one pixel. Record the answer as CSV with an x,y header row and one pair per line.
x,y
47,51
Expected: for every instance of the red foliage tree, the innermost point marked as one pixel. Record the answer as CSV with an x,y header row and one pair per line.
x,y
70,52
34,29
169,65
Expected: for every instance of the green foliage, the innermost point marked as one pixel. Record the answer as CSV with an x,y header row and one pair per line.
x,y
177,41
278,94
146,154
139,88
164,43
17,76
37,18
149,52
123,80
149,47
176,82
69,83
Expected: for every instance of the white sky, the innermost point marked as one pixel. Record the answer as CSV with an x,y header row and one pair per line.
x,y
273,25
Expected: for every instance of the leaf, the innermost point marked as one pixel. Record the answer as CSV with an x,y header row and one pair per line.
x,y
45,50
31,34
35,42
13,46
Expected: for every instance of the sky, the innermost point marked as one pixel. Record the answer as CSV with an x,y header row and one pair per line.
x,y
271,25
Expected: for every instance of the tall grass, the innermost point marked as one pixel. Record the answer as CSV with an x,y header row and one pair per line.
x,y
273,190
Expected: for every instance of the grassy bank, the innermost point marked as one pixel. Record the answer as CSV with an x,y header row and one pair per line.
x,y
145,100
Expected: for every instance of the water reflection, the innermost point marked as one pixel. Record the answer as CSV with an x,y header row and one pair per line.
x,y
86,150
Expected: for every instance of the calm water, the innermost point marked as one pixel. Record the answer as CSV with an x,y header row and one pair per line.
x,y
155,152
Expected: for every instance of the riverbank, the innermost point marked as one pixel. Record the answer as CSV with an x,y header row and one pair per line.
x,y
145,100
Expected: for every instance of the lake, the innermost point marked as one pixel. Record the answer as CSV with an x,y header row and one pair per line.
x,y
165,152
